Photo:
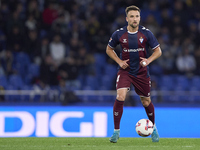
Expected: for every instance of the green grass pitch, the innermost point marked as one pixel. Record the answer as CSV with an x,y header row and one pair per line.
x,y
98,144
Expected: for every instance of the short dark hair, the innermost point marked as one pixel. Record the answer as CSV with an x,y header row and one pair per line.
x,y
132,7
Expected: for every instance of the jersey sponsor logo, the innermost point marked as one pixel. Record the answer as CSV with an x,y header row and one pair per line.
x,y
141,39
133,50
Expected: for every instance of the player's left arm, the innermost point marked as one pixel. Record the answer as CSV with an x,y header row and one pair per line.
x,y
156,54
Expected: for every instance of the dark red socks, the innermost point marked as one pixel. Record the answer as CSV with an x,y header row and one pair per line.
x,y
150,112
117,112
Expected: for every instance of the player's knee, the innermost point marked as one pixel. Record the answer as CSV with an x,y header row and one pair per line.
x,y
146,102
120,97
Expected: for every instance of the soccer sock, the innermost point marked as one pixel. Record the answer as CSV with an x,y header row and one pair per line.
x,y
117,112
150,112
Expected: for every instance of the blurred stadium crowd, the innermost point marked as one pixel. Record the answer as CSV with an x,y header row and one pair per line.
x,y
61,43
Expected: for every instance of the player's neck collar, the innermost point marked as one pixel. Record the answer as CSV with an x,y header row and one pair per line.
x,y
132,32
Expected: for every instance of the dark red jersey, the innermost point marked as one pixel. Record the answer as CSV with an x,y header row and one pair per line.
x,y
133,46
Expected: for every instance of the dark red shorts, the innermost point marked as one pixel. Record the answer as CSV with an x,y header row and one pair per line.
x,y
142,85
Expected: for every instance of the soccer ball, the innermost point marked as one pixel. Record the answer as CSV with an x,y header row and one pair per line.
x,y
144,127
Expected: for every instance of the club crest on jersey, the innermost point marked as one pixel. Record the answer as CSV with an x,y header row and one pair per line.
x,y
124,40
141,39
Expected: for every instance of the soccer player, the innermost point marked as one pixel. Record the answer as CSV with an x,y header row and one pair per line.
x,y
135,41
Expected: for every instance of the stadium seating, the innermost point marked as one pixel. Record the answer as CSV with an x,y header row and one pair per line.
x,y
16,81
3,81
107,82
91,83
156,70
182,82
167,82
195,82
111,70
21,63
34,70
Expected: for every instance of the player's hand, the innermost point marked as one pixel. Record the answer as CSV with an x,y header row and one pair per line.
x,y
123,64
144,62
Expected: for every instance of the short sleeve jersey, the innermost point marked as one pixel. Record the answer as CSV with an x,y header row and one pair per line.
x,y
133,46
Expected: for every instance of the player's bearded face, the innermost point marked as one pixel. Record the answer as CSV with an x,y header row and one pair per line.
x,y
133,18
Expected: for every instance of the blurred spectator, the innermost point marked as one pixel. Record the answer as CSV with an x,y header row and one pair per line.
x,y
49,15
166,61
69,71
4,15
177,33
188,42
33,10
48,71
20,10
1,70
118,23
63,12
166,17
181,11
151,9
85,62
57,50
7,62
75,32
1,96
31,23
15,37
110,17
41,51
66,96
193,34
186,63
16,49
197,58
92,27
2,40
39,87
100,41
81,60
60,25
164,34
175,47
90,11
74,46
151,24
15,21
31,43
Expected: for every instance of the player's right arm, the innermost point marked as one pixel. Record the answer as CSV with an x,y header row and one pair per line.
x,y
111,53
